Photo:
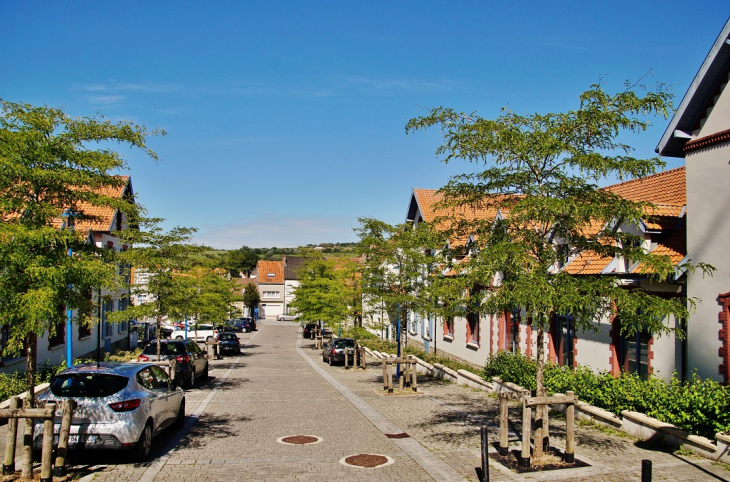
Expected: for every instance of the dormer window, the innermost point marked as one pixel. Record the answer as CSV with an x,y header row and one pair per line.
x,y
270,275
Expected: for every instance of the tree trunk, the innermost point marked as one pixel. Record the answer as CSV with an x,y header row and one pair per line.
x,y
159,337
539,418
31,342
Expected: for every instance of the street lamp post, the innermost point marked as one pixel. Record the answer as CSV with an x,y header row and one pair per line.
x,y
69,326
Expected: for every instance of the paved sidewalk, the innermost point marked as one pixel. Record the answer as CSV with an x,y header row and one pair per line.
x,y
280,387
446,418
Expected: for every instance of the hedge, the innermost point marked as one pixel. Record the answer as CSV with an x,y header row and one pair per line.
x,y
366,338
699,406
15,383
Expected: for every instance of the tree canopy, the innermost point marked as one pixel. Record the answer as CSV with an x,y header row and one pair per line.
x,y
540,188
54,175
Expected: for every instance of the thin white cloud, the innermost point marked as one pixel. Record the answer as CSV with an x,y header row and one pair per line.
x,y
107,99
274,230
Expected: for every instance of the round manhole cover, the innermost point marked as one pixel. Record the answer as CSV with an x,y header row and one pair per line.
x,y
366,461
299,440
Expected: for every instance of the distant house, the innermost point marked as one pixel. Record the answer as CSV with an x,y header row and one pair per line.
x,y
270,281
104,337
292,267
699,132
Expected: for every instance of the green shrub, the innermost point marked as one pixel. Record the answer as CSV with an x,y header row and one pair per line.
x,y
699,406
366,338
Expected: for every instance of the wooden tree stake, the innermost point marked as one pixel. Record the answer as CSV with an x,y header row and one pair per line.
x,y
59,468
9,464
503,435
47,451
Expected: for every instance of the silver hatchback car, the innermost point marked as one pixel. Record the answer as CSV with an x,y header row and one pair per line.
x,y
120,406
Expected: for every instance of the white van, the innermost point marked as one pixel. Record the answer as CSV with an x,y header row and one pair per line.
x,y
207,333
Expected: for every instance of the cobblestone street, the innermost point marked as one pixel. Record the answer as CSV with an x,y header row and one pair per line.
x,y
280,387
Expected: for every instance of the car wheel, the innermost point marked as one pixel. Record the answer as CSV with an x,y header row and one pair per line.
x,y
180,420
209,339
324,358
190,380
330,360
143,447
178,337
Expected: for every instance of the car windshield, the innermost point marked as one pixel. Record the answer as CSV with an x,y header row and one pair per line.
x,y
227,337
344,343
165,349
91,385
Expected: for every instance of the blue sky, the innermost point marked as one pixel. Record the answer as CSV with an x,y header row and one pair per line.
x,y
285,120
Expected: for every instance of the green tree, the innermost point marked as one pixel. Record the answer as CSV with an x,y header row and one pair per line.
x,y
322,292
51,164
163,256
206,295
399,261
541,175
251,298
242,260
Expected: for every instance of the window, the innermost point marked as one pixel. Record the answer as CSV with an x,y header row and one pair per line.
x,y
163,380
634,353
270,275
106,326
270,294
564,340
122,304
562,252
58,337
449,326
4,355
472,328
512,330
146,379
84,330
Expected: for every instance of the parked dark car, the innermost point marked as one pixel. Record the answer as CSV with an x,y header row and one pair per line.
x,y
190,361
239,325
309,330
334,351
228,343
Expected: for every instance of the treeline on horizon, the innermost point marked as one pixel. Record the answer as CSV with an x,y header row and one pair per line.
x,y
244,259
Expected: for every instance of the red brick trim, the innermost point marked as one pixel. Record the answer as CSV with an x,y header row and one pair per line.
x,y
552,354
491,333
650,355
528,329
501,331
724,335
615,334
702,142
575,346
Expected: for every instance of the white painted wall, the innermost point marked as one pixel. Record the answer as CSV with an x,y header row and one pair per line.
x,y
708,240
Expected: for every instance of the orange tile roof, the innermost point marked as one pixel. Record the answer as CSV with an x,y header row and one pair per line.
x,y
666,187
102,216
587,262
674,246
270,267
663,216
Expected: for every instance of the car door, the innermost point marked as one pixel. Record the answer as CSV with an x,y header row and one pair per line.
x,y
166,390
198,355
156,400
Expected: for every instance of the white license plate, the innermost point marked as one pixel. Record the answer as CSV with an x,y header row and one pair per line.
x,y
75,439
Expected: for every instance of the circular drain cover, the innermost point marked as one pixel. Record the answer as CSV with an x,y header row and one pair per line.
x,y
366,461
299,439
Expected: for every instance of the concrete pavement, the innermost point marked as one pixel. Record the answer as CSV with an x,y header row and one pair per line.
x,y
280,387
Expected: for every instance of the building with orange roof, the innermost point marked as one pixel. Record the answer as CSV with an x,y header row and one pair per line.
x,y
474,338
98,225
270,281
699,132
